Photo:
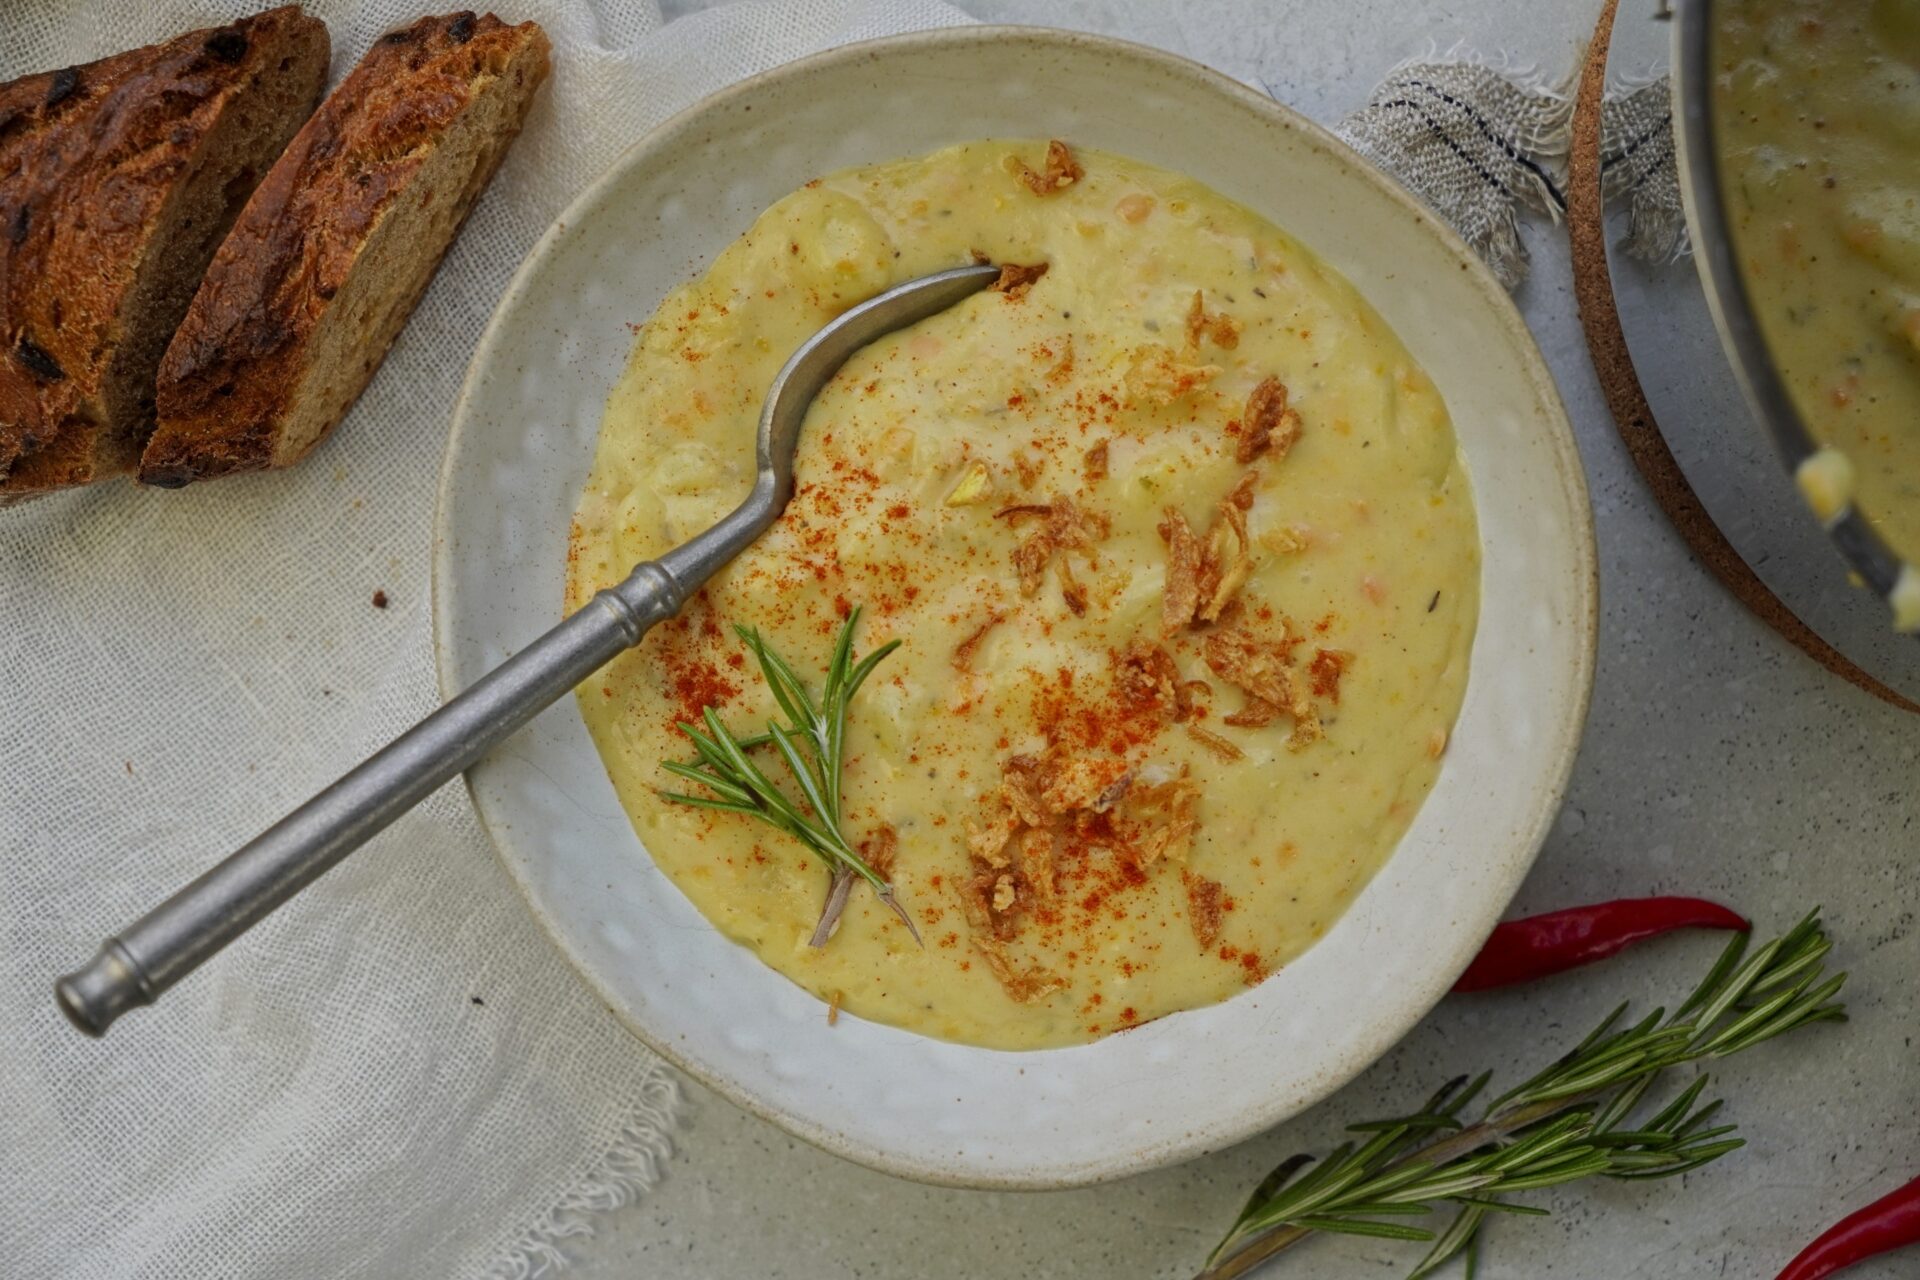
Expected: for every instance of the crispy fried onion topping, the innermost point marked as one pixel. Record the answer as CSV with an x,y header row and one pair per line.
x,y
1027,985
1146,675
1072,590
1228,561
1268,425
1064,526
964,652
1036,862
1091,783
1203,578
1260,670
1010,819
1215,743
1206,907
1061,170
1027,469
980,895
1221,327
1158,375
1067,800
1021,781
1012,842
881,849
1094,463
988,835
1326,670
1015,279
1170,805
1181,595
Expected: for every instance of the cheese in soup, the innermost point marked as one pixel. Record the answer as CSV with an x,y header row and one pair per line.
x,y
1177,540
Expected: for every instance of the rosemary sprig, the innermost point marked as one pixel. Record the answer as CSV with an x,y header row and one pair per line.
x,y
1571,1121
812,745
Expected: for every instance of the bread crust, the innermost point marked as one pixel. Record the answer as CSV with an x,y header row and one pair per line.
x,y
238,364
89,158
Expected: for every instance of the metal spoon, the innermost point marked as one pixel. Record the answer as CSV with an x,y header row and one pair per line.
x,y
186,930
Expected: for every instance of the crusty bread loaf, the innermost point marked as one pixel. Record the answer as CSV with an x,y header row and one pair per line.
x,y
118,180
335,248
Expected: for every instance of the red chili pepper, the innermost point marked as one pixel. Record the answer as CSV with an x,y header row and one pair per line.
x,y
1889,1223
1522,950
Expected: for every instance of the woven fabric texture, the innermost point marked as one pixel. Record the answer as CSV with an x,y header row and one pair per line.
x,y
1638,164
1477,144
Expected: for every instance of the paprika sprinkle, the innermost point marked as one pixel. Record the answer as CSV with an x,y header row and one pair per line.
x,y
1889,1223
1522,950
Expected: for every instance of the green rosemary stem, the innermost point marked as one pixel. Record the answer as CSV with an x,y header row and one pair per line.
x,y
1436,1153
1572,1120
812,746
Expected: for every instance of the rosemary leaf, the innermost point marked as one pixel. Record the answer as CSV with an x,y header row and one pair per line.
x,y
1671,1115
1504,1206
708,802
1362,1227
1464,1231
1389,1209
811,745
740,796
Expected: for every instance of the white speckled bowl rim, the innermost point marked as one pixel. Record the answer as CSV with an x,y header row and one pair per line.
x,y
520,447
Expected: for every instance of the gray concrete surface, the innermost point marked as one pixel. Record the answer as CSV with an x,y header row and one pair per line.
x,y
1717,760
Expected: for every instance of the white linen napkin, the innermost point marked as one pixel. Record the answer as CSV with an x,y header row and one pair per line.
x,y
397,1075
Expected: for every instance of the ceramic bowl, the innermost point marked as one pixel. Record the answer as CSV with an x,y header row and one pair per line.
x,y
523,437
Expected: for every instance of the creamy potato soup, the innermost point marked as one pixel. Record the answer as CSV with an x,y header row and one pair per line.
x,y
1179,547
1818,118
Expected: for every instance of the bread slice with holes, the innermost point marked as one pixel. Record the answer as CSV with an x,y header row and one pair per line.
x,y
118,180
338,244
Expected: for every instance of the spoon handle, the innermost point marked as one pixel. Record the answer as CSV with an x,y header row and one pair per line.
x,y
182,933
165,945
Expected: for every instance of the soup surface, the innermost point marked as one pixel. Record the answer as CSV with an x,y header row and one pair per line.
x,y
1818,111
1177,540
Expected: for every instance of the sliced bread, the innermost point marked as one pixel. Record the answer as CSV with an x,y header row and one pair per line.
x,y
118,180
331,254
